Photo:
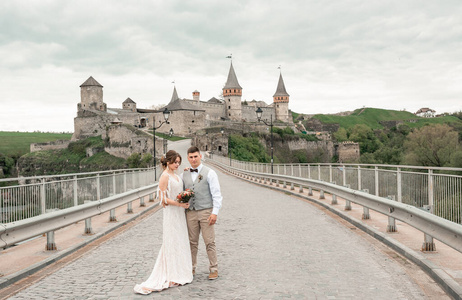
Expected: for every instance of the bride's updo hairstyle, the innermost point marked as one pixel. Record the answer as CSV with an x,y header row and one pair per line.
x,y
170,157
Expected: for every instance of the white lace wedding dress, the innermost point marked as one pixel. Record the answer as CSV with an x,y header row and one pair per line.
x,y
173,265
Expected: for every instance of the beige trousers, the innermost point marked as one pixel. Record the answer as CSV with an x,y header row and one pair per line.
x,y
197,222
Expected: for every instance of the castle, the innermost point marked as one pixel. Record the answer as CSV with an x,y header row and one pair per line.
x,y
187,116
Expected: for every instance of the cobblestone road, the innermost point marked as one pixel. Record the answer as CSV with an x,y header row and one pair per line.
x,y
270,246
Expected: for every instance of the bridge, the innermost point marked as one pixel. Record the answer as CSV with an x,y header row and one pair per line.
x,y
278,236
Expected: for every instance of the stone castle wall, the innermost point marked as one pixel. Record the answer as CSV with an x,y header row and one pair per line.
x,y
348,152
55,145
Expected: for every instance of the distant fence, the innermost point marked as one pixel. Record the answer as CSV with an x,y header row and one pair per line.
x,y
437,190
27,197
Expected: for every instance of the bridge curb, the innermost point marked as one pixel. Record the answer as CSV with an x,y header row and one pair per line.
x,y
12,278
448,284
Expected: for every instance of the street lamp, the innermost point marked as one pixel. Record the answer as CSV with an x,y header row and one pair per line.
x,y
170,134
259,112
166,114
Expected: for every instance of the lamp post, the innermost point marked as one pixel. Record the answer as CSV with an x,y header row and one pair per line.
x,y
166,114
259,112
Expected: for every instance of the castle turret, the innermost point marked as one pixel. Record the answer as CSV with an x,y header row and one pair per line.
x,y
91,95
129,104
174,95
196,95
232,94
281,101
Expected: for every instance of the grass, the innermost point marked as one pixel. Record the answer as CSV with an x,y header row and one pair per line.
x,y
70,160
372,116
167,137
18,143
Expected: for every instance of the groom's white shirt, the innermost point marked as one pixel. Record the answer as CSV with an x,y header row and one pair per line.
x,y
212,180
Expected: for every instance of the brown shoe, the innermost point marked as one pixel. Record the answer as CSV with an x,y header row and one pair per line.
x,y
213,275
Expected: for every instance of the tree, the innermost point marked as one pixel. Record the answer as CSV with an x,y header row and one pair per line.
x,y
431,146
134,160
341,135
146,160
364,135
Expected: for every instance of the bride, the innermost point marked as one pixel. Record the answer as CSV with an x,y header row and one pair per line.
x,y
173,265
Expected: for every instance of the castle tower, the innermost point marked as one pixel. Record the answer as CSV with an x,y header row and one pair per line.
x,y
232,93
91,95
196,95
174,95
129,104
281,101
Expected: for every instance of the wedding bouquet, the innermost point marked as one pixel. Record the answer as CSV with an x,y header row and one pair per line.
x,y
184,196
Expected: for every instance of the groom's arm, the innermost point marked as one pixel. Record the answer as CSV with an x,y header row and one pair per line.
x,y
217,199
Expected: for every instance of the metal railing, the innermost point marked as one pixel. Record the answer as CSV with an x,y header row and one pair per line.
x,y
433,226
437,190
27,197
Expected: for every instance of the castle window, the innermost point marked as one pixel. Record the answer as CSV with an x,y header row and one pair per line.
x,y
229,100
192,121
277,106
229,107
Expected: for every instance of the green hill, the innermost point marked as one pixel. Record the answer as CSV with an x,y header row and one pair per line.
x,y
18,143
373,116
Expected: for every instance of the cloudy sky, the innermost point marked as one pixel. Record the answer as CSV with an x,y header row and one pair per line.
x,y
335,55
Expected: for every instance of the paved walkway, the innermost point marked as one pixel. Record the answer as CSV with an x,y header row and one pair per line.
x,y
270,246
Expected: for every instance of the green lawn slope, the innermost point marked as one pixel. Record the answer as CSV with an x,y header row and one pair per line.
x,y
18,143
373,116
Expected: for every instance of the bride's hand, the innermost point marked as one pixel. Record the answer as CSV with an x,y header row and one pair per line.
x,y
184,205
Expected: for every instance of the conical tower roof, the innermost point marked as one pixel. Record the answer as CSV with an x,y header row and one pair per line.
x,y
232,82
281,89
129,101
174,95
90,82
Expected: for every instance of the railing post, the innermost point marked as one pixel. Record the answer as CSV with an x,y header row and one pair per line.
x,y
347,205
344,175
88,229
151,197
359,177
142,204
376,173
429,244
125,181
284,184
292,167
51,245
129,208
334,199
366,215
299,170
310,191
278,170
430,190
330,173
319,172
112,216
391,227
309,171
43,206
321,194
301,189
292,186
114,183
98,187
76,198
398,185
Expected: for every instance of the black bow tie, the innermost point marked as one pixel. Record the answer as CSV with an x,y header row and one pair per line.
x,y
194,170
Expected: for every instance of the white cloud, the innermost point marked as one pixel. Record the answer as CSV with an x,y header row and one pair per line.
x,y
335,56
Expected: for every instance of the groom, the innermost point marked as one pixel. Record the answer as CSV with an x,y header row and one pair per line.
x,y
203,208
